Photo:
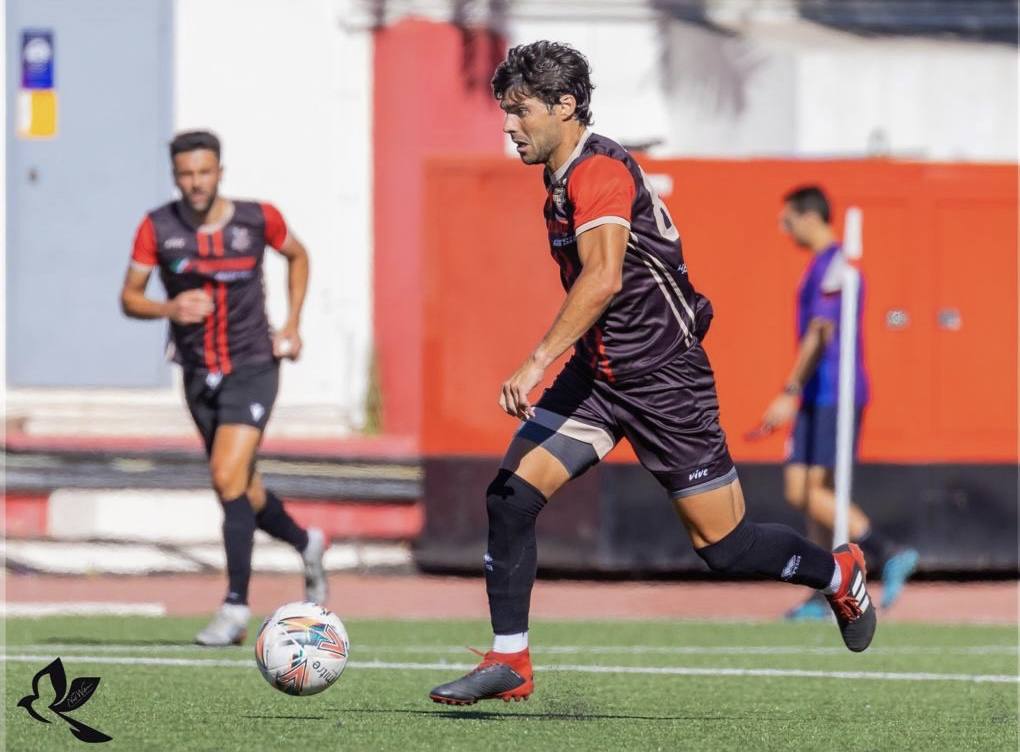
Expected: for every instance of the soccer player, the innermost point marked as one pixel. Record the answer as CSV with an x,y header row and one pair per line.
x,y
809,399
209,251
638,371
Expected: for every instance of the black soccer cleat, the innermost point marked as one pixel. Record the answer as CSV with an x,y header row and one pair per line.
x,y
500,676
853,607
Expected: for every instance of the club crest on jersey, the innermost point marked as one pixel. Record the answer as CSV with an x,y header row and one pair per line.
x,y
559,197
240,239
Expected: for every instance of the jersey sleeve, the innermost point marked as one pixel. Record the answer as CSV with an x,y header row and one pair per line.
x,y
144,251
602,191
276,228
827,301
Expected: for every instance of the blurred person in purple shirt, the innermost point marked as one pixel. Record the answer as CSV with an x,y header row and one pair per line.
x,y
810,396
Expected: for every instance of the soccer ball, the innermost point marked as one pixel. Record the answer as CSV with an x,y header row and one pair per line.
x,y
302,648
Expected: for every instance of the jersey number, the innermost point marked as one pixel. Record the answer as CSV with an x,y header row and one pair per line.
x,y
662,219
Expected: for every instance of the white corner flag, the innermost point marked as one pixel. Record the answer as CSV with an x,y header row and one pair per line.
x,y
849,285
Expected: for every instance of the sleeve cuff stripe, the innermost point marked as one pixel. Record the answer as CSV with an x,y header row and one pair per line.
x,y
607,220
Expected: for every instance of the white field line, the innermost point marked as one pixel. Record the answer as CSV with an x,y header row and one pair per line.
x,y
708,649
651,670
81,608
584,649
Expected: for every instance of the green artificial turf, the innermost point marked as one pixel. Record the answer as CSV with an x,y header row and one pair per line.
x,y
378,705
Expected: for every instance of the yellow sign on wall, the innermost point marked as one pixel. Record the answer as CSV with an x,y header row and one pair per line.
x,y
37,113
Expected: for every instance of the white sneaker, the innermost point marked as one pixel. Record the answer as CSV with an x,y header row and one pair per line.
x,y
229,626
316,588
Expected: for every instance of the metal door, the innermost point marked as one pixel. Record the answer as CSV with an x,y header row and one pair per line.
x,y
75,199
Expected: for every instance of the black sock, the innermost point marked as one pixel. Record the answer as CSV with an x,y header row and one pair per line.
x,y
511,561
773,551
274,520
877,549
238,537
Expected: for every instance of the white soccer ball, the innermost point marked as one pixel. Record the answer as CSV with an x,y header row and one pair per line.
x,y
302,648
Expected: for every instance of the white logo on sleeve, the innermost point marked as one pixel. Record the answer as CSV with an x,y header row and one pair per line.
x,y
791,567
698,474
257,411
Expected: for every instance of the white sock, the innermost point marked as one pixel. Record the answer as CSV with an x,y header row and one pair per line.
x,y
509,643
836,581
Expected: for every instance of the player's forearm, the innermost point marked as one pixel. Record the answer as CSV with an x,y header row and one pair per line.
x,y
808,355
136,306
585,303
297,287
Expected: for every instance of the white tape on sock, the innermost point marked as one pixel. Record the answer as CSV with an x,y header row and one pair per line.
x,y
509,643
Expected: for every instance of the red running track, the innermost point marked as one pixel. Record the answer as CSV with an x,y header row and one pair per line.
x,y
389,596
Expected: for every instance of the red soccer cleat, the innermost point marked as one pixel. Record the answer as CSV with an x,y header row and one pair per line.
x,y
855,612
503,676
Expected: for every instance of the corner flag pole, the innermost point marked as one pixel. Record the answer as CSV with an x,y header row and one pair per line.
x,y
851,283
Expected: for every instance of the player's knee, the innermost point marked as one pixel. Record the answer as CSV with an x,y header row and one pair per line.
x,y
796,492
725,554
817,496
796,498
511,501
227,481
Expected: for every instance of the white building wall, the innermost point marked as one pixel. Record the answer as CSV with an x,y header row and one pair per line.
x,y
3,232
782,87
287,86
933,100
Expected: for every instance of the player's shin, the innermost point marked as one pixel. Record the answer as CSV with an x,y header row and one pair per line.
x,y
238,538
273,519
511,561
773,551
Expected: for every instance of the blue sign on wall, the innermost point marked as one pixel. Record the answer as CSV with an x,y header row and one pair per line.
x,y
37,59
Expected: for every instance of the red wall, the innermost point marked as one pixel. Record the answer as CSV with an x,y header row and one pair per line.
x,y
935,236
431,96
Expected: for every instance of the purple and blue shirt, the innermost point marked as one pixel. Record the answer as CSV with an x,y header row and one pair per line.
x,y
820,296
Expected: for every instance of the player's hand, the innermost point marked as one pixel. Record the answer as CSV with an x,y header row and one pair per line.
x,y
513,396
780,411
287,343
190,307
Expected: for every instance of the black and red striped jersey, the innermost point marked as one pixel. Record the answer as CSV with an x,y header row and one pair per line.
x,y
224,260
658,312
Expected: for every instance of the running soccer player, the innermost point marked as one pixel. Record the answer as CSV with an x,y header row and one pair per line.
x,y
638,371
809,399
209,251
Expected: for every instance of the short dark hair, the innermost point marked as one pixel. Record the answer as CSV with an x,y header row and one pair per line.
x,y
809,198
547,71
194,140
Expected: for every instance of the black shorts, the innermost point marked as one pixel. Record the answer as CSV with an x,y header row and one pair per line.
x,y
813,440
669,416
245,396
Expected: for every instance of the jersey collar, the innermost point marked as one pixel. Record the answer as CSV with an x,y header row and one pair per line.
x,y
209,228
558,175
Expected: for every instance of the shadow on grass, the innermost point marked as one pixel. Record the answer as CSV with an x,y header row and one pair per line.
x,y
488,715
267,717
95,642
